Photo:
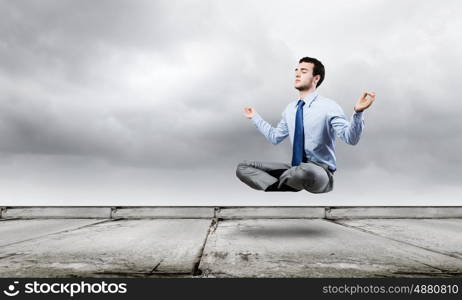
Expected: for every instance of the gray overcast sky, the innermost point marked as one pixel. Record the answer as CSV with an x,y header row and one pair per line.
x,y
140,102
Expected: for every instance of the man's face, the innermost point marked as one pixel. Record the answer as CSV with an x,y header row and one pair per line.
x,y
304,78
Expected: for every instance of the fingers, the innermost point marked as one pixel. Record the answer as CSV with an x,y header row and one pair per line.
x,y
248,110
371,94
368,96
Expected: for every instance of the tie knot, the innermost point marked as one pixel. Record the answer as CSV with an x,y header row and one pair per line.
x,y
300,103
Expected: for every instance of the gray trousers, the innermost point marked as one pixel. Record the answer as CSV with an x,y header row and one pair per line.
x,y
274,176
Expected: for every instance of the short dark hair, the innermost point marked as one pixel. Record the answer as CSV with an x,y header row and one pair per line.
x,y
318,68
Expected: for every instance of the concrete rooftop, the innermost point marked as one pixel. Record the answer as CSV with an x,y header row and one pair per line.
x,y
231,241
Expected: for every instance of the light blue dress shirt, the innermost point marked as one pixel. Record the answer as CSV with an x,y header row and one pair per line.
x,y
323,120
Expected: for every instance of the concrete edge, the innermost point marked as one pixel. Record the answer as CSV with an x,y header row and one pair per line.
x,y
164,212
230,212
271,213
404,212
61,212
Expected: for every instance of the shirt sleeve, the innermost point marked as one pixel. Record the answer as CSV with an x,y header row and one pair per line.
x,y
347,131
273,135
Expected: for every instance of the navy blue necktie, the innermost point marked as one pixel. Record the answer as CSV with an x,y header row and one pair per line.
x,y
299,137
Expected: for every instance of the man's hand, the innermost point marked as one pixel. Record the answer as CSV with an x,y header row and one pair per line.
x,y
249,112
364,101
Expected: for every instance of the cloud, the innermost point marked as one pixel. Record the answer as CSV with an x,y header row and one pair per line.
x,y
160,85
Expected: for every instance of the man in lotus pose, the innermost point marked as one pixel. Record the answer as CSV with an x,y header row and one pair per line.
x,y
312,123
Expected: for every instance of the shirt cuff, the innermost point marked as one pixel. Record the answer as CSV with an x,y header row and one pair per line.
x,y
358,115
256,118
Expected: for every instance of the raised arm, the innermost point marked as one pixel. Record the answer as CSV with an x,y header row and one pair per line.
x,y
273,135
347,131
350,131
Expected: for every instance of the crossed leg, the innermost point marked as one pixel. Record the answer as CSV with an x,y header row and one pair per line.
x,y
307,176
274,176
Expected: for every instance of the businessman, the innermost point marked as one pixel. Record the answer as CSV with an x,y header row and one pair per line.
x,y
312,122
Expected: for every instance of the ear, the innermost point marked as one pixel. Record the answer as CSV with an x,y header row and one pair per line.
x,y
317,78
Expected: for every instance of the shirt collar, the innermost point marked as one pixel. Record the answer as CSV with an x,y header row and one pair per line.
x,y
309,98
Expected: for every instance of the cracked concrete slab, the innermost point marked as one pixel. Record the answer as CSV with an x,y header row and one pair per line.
x,y
314,248
15,231
439,235
136,247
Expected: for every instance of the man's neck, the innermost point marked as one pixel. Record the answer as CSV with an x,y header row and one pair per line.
x,y
305,93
